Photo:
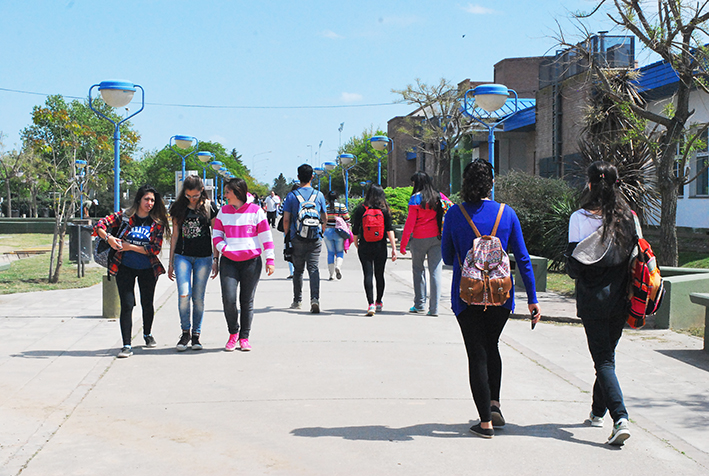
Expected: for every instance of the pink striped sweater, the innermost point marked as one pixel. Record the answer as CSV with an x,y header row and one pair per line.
x,y
240,234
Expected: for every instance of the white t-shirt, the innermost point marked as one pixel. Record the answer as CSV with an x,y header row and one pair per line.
x,y
272,203
582,223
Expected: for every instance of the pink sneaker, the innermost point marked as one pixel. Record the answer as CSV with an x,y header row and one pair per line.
x,y
231,344
244,344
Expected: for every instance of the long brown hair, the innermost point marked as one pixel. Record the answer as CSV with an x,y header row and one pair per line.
x,y
178,210
158,213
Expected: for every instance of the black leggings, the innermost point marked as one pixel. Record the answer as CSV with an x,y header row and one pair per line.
x,y
125,280
373,257
481,333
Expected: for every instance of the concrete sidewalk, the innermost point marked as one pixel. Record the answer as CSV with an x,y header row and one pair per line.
x,y
333,393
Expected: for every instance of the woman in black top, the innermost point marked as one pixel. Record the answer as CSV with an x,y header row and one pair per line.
x,y
192,256
373,254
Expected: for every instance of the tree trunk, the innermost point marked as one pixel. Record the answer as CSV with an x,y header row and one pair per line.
x,y
668,230
9,197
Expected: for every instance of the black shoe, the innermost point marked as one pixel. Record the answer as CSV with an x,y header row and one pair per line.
x,y
482,432
498,421
125,352
195,342
184,340
150,341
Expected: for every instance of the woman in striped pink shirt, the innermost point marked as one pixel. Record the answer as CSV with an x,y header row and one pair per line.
x,y
240,232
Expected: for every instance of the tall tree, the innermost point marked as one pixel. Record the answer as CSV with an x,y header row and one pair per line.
x,y
438,122
676,30
10,169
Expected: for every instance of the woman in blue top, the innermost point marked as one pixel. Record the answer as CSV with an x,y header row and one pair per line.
x,y
481,326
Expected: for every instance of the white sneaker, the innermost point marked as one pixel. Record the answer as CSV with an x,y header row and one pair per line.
x,y
371,309
594,420
295,305
620,433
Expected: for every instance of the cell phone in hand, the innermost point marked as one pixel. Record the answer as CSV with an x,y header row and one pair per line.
x,y
534,314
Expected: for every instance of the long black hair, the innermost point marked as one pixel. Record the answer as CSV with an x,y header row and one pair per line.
x,y
178,209
423,185
376,198
158,213
602,194
477,181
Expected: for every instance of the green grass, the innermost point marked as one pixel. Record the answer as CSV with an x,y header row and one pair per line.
x,y
30,274
26,240
560,283
693,260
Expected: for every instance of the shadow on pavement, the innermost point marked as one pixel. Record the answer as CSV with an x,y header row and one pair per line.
x,y
442,430
695,357
112,352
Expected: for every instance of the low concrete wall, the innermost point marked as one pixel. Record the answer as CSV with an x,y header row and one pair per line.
x,y
703,300
677,311
9,226
539,266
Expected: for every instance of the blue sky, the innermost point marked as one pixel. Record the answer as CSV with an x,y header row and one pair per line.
x,y
265,60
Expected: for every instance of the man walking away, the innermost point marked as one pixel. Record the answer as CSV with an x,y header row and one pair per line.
x,y
272,202
305,215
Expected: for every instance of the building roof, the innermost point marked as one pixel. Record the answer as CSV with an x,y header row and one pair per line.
x,y
524,115
657,80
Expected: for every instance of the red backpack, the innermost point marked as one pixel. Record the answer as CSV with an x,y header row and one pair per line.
x,y
373,224
646,286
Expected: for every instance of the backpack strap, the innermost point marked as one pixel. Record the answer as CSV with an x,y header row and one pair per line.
x,y
298,196
638,229
497,220
470,221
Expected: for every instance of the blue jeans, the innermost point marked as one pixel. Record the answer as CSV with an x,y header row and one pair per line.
x,y
603,336
335,245
306,253
192,274
426,248
246,274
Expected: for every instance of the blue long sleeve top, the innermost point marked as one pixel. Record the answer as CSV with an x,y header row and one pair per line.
x,y
458,238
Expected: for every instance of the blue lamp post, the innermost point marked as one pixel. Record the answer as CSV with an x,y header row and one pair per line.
x,y
216,165
380,143
81,164
116,94
347,161
223,171
364,184
319,172
329,167
204,157
184,143
489,98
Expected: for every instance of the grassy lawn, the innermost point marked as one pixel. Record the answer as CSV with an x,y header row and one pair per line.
x,y
25,240
560,283
30,274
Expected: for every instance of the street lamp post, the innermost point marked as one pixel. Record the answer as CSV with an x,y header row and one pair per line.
x,y
253,162
81,178
364,184
184,143
380,143
489,98
347,161
319,172
223,171
117,94
205,157
329,167
216,165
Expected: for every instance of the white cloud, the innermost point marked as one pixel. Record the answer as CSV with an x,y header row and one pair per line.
x,y
351,97
332,35
479,10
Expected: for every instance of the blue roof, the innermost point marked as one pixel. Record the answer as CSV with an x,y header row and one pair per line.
x,y
524,118
504,111
657,80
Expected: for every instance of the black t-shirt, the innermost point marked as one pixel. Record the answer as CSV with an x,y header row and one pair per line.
x,y
195,237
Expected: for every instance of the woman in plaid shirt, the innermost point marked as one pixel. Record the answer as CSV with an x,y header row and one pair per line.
x,y
137,249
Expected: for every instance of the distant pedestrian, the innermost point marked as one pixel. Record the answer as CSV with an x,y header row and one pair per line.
x,y
480,325
305,215
371,226
287,244
141,229
333,237
424,223
600,267
272,203
191,256
241,231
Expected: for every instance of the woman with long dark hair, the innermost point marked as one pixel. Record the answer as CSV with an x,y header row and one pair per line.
x,y
241,231
601,239
371,226
481,326
334,242
136,257
191,256
422,232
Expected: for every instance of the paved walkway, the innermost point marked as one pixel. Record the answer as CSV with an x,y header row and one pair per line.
x,y
334,393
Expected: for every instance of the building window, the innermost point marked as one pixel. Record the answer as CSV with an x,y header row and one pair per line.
x,y
702,181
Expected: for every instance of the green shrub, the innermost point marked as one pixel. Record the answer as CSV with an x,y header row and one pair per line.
x,y
543,206
398,199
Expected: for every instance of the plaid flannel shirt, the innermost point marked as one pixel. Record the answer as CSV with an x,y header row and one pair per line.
x,y
112,223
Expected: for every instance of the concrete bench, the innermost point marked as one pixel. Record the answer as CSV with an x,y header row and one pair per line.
x,y
703,300
676,311
4,266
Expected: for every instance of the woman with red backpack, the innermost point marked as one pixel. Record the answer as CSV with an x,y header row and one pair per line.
x,y
371,225
601,238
